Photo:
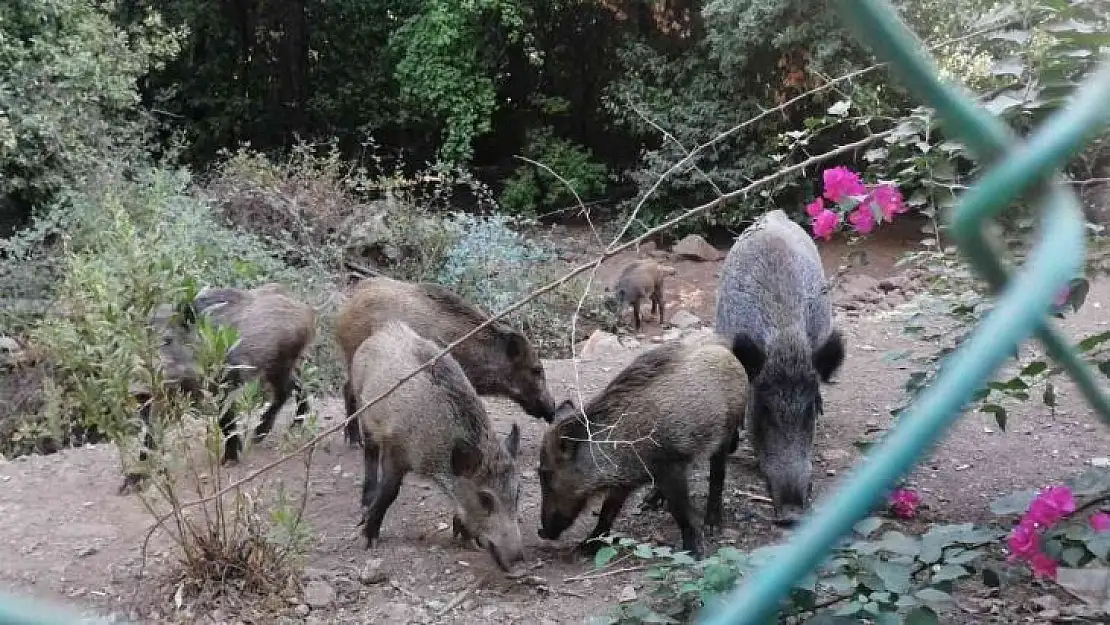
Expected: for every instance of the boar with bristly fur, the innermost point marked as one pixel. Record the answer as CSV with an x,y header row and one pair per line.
x,y
670,407
274,330
435,426
773,302
498,360
641,279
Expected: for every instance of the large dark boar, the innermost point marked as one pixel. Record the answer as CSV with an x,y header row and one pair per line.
x,y
498,360
671,406
773,302
274,329
436,426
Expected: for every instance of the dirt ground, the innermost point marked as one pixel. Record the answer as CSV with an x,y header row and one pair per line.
x,y
70,538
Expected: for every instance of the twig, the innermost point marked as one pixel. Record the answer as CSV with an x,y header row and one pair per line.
x,y
627,569
752,496
459,596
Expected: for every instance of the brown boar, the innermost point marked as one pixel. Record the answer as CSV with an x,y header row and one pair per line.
x,y
274,330
498,360
435,426
641,278
671,406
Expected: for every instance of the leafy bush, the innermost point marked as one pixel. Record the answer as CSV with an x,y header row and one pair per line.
x,y
68,97
135,244
495,266
532,189
867,576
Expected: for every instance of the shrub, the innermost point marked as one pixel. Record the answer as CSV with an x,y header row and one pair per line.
x,y
532,189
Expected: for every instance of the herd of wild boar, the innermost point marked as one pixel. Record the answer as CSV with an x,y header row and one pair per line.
x,y
775,342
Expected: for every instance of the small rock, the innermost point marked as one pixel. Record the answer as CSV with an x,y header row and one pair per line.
x,y
468,605
628,593
1100,463
630,343
656,339
697,336
1049,615
893,283
672,335
1046,602
86,552
600,343
489,611
685,320
302,610
434,604
697,248
319,594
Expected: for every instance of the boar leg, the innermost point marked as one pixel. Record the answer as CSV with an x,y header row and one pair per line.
x,y
636,314
657,298
282,386
389,484
371,454
351,432
672,483
614,501
233,443
302,400
718,465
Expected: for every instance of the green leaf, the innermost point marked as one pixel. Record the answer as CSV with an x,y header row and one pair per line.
x,y
999,414
1034,368
604,555
949,572
840,584
897,542
867,526
933,596
1094,341
1014,503
643,551
888,618
922,615
1072,556
896,577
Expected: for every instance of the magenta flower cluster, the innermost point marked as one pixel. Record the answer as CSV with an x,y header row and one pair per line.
x,y
1048,508
904,502
848,194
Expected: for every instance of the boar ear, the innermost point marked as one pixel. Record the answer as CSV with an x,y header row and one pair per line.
x,y
748,353
828,358
512,441
465,459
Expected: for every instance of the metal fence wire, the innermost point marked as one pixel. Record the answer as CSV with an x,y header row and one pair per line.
x,y
1021,310
1022,306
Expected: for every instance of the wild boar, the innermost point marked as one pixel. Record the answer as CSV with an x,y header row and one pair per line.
x,y
671,406
274,330
773,303
498,360
436,426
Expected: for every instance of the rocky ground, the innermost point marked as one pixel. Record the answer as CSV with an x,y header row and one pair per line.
x,y
69,538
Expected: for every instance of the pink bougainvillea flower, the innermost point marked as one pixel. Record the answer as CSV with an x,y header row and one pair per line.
x,y
862,219
814,208
825,224
1051,505
841,182
1100,521
904,502
1023,541
1043,565
889,199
